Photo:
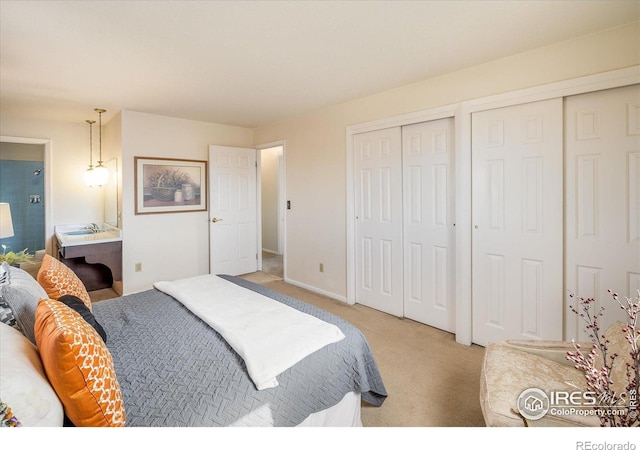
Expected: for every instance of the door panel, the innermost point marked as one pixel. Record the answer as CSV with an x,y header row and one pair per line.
x,y
517,168
233,210
603,200
378,206
428,155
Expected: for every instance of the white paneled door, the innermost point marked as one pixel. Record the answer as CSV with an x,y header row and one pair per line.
x,y
517,218
232,210
378,207
427,159
603,200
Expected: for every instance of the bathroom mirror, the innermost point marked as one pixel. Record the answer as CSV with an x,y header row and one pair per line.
x,y
110,191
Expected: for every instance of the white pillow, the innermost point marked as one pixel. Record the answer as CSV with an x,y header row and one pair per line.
x,y
24,386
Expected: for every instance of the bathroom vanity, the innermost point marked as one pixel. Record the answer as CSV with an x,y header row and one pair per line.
x,y
93,252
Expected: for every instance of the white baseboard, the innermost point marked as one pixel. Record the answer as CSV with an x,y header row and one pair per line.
x,y
308,287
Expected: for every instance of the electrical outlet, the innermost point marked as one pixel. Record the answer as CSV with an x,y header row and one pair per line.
x,y
139,267
322,267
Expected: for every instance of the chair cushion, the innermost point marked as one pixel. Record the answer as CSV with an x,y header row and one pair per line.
x,y
618,344
507,372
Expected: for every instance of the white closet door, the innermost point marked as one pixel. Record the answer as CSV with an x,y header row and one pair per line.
x,y
517,166
429,266
378,206
603,200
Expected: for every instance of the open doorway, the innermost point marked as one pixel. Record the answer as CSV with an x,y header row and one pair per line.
x,y
22,186
25,185
272,210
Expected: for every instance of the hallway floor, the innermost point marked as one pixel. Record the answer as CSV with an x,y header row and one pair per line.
x,y
272,264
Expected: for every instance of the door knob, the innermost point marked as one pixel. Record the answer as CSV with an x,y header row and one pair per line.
x,y
215,219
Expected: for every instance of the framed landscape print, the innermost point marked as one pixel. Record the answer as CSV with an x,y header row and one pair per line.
x,y
165,185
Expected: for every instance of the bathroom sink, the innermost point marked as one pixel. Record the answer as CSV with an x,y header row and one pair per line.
x,y
82,232
87,233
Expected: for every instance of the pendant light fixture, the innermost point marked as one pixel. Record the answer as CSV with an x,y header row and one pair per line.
x,y
89,174
101,172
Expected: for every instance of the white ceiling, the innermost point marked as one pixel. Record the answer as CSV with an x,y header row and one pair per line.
x,y
249,63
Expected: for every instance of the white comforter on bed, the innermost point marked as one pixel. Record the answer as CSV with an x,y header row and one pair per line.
x,y
269,336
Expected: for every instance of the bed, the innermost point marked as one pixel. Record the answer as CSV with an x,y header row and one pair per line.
x,y
170,367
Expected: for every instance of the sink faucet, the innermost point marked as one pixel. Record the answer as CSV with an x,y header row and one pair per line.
x,y
93,227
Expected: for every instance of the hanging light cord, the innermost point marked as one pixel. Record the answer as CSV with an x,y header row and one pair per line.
x,y
100,111
91,122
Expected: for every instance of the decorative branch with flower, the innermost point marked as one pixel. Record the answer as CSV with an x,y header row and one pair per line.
x,y
615,409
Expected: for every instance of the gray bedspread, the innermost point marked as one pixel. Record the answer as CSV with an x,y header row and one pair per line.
x,y
174,370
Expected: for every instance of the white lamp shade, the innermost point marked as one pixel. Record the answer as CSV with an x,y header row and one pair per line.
x,y
96,176
101,175
6,224
89,176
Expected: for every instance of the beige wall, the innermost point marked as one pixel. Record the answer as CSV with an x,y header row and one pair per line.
x,y
10,151
315,142
169,246
269,190
71,200
176,245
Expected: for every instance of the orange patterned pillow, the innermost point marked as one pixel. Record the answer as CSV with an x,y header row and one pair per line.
x,y
79,366
57,280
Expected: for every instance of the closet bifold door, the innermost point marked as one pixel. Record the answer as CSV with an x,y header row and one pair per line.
x,y
517,222
429,233
378,210
603,201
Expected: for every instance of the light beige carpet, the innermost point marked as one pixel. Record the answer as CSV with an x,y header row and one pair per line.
x,y
272,264
431,380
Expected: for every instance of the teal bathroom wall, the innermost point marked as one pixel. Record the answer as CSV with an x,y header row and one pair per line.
x,y
23,188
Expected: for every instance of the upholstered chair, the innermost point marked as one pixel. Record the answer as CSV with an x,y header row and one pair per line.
x,y
510,367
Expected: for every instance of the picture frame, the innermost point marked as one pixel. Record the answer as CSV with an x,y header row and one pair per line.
x,y
168,185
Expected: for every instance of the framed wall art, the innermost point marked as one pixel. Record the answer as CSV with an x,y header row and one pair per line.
x,y
165,185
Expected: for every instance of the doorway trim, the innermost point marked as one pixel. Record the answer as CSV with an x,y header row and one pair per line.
x,y
282,191
48,225
461,112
